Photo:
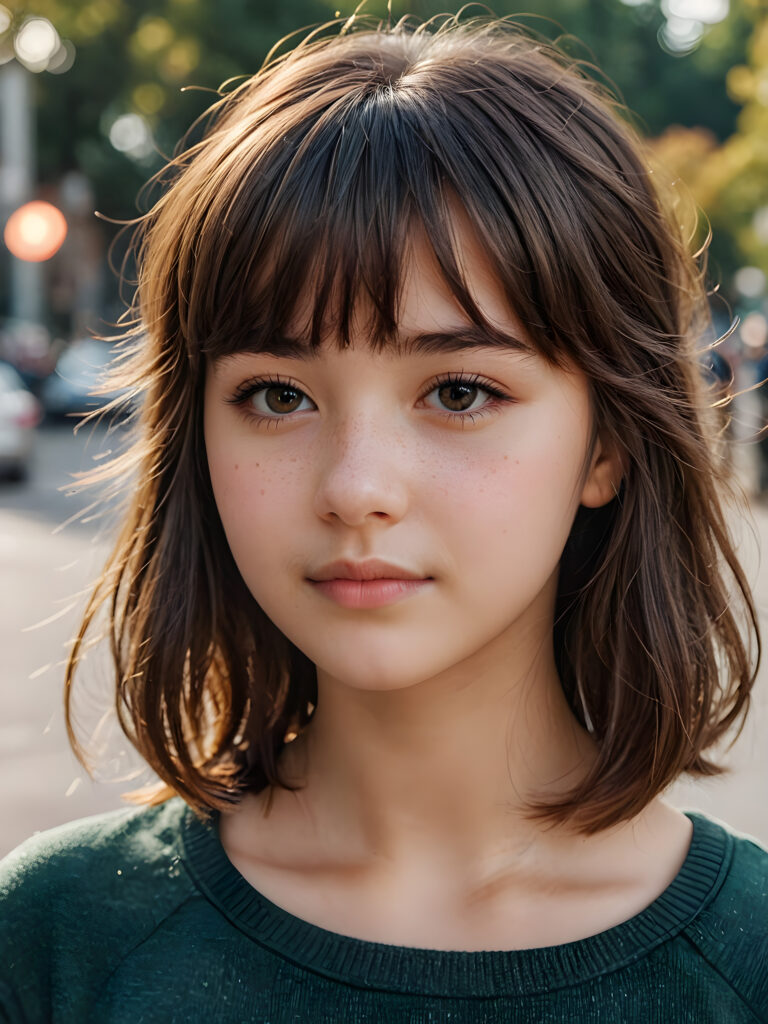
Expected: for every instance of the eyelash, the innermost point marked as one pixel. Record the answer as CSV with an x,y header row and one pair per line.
x,y
254,386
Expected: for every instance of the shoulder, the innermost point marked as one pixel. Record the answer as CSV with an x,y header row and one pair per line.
x,y
743,894
91,852
75,899
730,932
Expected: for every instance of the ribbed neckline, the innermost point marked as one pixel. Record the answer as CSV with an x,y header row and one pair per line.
x,y
407,969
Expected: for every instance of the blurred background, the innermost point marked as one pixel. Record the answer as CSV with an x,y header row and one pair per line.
x,y
93,96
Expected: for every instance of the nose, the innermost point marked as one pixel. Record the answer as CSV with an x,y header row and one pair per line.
x,y
362,475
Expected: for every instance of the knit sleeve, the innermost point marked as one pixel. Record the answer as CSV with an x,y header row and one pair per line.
x,y
731,934
75,902
25,940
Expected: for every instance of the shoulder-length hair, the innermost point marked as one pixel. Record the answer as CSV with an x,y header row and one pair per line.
x,y
313,173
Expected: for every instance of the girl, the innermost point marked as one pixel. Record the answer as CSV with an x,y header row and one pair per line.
x,y
425,593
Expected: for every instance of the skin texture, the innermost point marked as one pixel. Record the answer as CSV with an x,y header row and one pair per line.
x,y
438,715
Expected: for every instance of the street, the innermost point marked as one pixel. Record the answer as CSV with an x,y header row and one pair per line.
x,y
46,571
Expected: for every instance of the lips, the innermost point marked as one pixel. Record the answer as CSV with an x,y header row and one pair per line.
x,y
367,585
372,569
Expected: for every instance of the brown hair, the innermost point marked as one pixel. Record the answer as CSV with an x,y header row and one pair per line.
x,y
315,170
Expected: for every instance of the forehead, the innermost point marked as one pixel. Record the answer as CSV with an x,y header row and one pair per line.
x,y
429,316
426,301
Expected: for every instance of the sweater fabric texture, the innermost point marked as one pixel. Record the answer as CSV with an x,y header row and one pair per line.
x,y
139,917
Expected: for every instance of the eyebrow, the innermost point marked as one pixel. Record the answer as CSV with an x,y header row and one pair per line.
x,y
425,343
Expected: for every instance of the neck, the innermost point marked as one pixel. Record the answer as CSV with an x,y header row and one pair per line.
x,y
442,769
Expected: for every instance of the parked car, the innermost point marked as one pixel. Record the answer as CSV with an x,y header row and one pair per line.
x,y
20,413
80,369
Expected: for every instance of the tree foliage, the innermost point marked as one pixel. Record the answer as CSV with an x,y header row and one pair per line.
x,y
729,180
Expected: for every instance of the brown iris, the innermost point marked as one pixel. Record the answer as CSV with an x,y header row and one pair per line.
x,y
462,395
283,399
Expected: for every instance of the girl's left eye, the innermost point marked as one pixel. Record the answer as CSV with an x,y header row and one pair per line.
x,y
460,398
466,397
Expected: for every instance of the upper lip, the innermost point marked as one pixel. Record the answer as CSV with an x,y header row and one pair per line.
x,y
372,569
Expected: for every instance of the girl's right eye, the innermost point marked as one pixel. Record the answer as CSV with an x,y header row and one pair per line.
x,y
269,398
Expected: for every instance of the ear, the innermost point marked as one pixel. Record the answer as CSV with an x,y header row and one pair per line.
x,y
606,470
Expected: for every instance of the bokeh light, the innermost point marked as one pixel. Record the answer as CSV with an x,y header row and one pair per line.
x,y
754,330
35,232
710,12
687,21
181,59
148,97
130,134
35,43
681,35
5,19
63,59
749,282
153,35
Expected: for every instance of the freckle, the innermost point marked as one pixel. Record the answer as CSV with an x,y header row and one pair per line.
x,y
506,457
236,467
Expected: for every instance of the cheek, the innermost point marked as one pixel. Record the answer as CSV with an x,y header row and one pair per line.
x,y
256,498
533,486
505,520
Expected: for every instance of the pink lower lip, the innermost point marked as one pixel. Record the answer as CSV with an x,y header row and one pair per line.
x,y
368,593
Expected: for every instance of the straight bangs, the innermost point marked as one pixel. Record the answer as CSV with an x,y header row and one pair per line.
x,y
313,208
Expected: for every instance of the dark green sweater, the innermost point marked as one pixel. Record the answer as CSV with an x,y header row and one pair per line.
x,y
138,916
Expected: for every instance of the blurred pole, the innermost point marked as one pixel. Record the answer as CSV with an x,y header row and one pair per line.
x,y
17,176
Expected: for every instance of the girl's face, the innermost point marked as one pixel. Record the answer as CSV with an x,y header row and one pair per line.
x,y
463,465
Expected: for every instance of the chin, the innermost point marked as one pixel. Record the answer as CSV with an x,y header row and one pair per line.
x,y
382,673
